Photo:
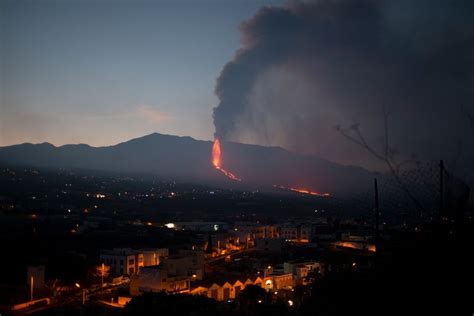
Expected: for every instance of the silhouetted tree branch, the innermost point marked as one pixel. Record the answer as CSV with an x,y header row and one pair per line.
x,y
387,155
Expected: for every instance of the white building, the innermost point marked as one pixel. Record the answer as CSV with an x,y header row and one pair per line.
x,y
128,261
301,269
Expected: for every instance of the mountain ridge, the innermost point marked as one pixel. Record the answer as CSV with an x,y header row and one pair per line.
x,y
183,157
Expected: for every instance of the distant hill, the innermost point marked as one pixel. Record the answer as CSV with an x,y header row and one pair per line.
x,y
187,159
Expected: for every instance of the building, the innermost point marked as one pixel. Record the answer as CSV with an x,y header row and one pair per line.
x,y
189,263
269,244
222,243
225,289
278,281
157,279
289,232
302,269
120,260
297,233
249,231
266,231
152,256
128,261
305,233
173,274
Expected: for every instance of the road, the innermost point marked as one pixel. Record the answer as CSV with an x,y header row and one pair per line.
x,y
74,298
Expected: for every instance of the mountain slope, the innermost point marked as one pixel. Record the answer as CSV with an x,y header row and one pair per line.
x,y
183,158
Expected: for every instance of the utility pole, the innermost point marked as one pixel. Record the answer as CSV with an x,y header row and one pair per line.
x,y
441,189
377,215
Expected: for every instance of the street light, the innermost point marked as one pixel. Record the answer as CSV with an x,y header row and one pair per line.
x,y
103,267
32,280
83,293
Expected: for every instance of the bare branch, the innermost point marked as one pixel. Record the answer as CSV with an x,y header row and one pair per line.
x,y
387,156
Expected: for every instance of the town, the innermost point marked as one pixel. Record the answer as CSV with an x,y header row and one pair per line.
x,y
105,240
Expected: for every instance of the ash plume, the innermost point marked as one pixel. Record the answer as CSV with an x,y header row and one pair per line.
x,y
306,67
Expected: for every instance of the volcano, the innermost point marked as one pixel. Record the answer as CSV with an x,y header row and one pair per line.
x,y
190,160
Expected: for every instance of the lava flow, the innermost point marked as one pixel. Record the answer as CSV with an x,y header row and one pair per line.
x,y
216,161
303,191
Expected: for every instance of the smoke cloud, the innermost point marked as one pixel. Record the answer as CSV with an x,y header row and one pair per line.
x,y
309,66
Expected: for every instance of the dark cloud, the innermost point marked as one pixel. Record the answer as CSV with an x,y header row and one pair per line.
x,y
306,67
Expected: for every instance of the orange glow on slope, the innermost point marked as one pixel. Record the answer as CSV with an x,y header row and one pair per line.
x,y
216,161
304,191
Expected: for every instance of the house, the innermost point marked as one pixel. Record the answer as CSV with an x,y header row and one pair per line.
x,y
120,260
173,274
278,281
223,290
300,269
128,261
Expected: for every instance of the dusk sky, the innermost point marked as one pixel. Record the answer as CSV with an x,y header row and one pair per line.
x,y
272,73
102,72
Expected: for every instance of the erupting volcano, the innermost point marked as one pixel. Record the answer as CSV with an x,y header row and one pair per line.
x,y
216,161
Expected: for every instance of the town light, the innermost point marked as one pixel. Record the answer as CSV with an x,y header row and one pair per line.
x,y
290,302
77,285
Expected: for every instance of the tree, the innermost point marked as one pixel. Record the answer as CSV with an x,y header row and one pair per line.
x,y
251,298
388,154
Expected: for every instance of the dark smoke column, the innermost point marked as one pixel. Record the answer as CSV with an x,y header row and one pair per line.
x,y
307,67
262,47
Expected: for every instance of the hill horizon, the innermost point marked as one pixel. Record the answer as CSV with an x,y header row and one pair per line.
x,y
168,156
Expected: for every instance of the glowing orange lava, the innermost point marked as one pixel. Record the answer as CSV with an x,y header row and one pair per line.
x,y
216,161
304,191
